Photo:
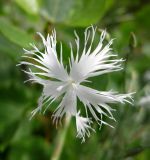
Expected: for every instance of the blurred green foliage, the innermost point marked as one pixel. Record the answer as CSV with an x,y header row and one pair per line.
x,y
127,21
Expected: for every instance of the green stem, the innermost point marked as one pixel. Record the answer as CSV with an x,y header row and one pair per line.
x,y
61,139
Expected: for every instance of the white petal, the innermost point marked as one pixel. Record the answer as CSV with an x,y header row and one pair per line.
x,y
47,62
51,91
93,63
83,126
68,105
97,102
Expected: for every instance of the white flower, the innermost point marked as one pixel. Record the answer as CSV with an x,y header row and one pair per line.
x,y
58,82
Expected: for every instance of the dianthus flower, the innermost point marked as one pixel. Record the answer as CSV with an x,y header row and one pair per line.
x,y
58,82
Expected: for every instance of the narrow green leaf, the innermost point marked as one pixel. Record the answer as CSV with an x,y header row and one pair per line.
x,y
15,34
9,48
29,6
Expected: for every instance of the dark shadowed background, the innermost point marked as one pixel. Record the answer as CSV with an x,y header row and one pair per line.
x,y
127,21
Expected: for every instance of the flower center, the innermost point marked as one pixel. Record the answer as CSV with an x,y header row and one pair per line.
x,y
72,83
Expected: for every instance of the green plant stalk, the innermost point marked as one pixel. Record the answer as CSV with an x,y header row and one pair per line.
x,y
61,139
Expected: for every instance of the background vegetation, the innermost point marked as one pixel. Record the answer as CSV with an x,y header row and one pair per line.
x,y
38,139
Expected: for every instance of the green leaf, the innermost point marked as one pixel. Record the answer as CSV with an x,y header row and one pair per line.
x,y
14,33
29,6
75,12
9,48
143,18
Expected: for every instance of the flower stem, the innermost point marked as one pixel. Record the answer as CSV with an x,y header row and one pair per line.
x,y
61,139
